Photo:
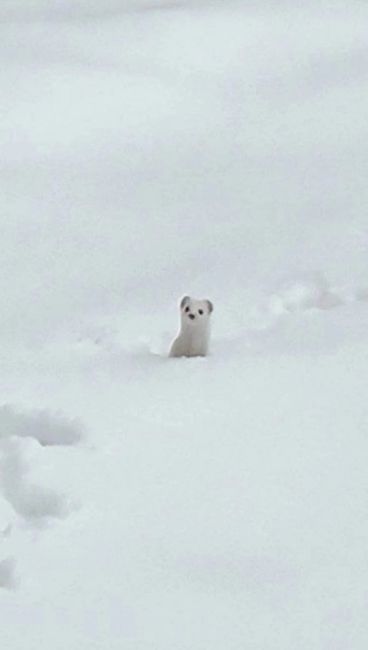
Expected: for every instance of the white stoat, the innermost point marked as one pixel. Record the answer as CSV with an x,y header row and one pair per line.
x,y
193,337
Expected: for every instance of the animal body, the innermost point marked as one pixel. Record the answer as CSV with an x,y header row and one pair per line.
x,y
194,334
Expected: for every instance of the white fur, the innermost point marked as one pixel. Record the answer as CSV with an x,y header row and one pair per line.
x,y
193,337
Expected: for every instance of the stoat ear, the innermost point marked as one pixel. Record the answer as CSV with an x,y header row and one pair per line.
x,y
184,301
210,306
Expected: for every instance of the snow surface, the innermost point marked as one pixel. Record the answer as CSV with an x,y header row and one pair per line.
x,y
150,150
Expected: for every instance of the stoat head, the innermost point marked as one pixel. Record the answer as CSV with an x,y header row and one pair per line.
x,y
195,313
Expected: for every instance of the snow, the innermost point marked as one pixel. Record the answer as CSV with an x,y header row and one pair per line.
x,y
151,150
46,428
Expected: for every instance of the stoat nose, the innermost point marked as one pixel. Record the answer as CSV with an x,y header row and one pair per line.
x,y
191,316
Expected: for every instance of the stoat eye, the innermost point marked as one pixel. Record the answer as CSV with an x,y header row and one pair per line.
x,y
186,309
200,311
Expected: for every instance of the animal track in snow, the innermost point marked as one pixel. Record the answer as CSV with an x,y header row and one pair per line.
x,y
7,573
48,428
303,296
35,504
